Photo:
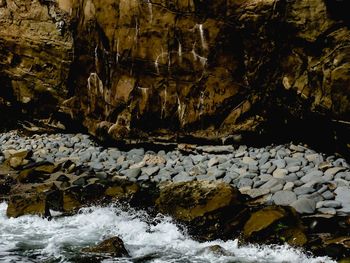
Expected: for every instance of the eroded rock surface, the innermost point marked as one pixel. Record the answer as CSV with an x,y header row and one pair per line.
x,y
164,69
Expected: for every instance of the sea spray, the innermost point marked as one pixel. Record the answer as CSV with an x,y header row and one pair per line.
x,y
32,239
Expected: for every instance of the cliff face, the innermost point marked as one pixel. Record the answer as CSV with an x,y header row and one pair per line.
x,y
36,52
141,68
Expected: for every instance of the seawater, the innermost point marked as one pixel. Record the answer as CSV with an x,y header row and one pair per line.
x,y
147,239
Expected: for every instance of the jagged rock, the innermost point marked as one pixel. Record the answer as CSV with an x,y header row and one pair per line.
x,y
151,81
275,224
113,246
38,201
202,205
262,219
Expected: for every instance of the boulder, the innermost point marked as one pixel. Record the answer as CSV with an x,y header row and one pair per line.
x,y
38,201
206,207
275,224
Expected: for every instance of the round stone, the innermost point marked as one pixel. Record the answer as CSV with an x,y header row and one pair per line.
x,y
304,206
284,197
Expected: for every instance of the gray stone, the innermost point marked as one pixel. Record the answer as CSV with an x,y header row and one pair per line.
x,y
293,169
327,195
206,177
341,182
341,162
182,177
332,204
213,161
249,161
291,177
303,190
308,168
232,175
292,161
271,169
333,171
343,196
284,197
254,193
132,173
138,152
280,173
150,171
80,181
217,173
266,166
241,151
263,160
304,206
323,189
311,176
258,183
271,183
253,168
315,158
97,166
227,179
143,177
249,175
288,186
163,176
265,177
327,211
279,163
276,188
297,148
300,174
244,182
198,158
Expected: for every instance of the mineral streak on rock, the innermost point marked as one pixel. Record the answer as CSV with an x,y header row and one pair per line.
x,y
141,69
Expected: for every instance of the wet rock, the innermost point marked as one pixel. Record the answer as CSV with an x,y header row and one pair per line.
x,y
113,246
38,201
201,204
218,250
275,224
261,220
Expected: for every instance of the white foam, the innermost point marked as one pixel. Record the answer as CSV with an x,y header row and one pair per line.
x,y
143,236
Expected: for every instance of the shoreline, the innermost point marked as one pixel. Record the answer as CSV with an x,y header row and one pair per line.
x,y
280,174
214,190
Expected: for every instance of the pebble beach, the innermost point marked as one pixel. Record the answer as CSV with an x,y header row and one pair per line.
x,y
288,175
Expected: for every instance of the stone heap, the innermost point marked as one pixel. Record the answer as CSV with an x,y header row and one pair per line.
x,y
285,175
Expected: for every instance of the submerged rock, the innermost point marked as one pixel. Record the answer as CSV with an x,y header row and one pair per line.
x,y
113,246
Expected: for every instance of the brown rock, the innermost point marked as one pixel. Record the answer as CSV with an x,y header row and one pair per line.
x,y
262,219
210,209
191,200
113,246
275,224
27,204
170,75
39,200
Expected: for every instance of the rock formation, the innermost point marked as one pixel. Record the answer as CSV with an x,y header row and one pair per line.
x,y
169,69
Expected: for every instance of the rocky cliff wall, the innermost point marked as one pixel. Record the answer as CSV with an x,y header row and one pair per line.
x,y
169,69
